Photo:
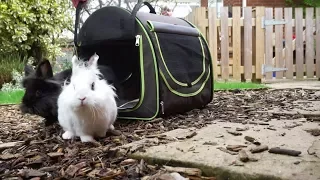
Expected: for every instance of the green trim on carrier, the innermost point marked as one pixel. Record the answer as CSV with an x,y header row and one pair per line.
x,y
142,78
182,94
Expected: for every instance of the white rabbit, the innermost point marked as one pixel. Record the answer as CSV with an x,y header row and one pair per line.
x,y
86,106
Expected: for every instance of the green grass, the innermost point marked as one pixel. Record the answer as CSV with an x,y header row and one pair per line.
x,y
13,97
236,85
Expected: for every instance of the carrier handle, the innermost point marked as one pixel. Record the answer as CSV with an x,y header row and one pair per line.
x,y
135,11
78,9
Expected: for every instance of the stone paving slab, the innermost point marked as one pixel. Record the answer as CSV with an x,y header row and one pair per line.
x,y
295,84
203,150
194,153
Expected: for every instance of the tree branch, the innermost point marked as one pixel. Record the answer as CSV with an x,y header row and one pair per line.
x,y
119,3
100,3
128,5
86,9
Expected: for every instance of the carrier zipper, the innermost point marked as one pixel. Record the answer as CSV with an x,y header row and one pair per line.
x,y
162,107
137,40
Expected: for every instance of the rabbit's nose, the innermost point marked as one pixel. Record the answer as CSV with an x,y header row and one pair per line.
x,y
82,99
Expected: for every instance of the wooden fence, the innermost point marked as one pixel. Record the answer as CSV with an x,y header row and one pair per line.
x,y
254,42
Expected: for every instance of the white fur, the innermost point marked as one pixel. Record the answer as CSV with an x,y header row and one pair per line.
x,y
99,112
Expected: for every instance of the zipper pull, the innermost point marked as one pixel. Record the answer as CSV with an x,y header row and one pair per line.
x,y
162,107
137,40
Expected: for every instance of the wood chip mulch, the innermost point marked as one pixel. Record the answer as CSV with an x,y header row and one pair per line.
x,y
30,151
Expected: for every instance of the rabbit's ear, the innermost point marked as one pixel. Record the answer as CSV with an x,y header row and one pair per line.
x,y
93,60
44,69
74,60
28,70
75,63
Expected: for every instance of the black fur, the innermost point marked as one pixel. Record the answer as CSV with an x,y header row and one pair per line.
x,y
42,89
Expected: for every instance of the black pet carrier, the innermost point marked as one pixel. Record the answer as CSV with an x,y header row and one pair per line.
x,y
163,63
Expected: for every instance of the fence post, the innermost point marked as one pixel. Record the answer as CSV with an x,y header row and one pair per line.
x,y
236,43
260,40
213,37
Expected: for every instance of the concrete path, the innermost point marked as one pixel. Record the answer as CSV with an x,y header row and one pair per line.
x,y
206,148
295,84
203,151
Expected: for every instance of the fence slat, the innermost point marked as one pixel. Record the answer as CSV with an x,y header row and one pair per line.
x,y
318,42
236,43
191,16
213,37
201,17
268,43
249,54
248,43
279,43
309,43
288,44
224,43
260,40
299,44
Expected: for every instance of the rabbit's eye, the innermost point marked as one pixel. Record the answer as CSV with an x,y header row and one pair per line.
x,y
92,86
38,93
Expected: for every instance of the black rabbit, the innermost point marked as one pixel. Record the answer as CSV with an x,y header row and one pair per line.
x,y
42,89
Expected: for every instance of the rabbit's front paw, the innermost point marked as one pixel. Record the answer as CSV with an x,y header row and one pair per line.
x,y
67,135
87,139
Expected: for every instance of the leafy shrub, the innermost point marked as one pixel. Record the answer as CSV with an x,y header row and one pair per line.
x,y
33,27
304,3
10,65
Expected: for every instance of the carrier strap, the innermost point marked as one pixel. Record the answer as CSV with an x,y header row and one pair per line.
x,y
135,11
78,9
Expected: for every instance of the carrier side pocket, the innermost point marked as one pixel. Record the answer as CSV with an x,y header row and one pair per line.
x,y
183,65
